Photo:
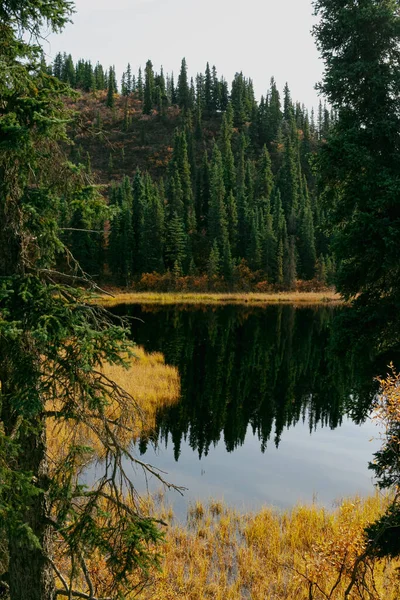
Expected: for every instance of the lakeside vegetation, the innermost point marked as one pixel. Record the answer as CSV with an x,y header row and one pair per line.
x,y
245,194
201,178
305,553
260,299
222,553
149,384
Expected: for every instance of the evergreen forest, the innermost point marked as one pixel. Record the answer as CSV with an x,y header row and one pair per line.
x,y
160,181
206,185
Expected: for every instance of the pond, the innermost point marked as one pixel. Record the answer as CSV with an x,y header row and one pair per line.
x,y
268,413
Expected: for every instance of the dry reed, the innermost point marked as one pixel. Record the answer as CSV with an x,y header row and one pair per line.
x,y
259,299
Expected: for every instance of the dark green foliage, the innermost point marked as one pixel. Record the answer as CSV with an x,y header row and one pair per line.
x,y
122,237
274,367
360,161
111,89
359,167
182,90
175,243
149,91
53,340
384,534
263,148
153,230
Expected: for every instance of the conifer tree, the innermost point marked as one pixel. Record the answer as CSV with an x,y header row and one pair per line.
x,y
53,341
226,152
274,112
138,212
360,161
232,220
217,218
203,192
99,77
68,71
241,199
306,242
139,85
111,87
288,181
149,98
208,99
265,178
214,261
290,265
268,243
182,89
175,244
153,230
280,229
238,100
254,251
58,66
180,163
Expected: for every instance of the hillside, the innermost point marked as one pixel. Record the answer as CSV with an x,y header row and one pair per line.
x,y
203,182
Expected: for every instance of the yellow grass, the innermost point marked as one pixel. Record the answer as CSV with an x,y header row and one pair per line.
x,y
151,383
224,555
259,299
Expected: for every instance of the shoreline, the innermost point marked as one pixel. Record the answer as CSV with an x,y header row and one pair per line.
x,y
118,297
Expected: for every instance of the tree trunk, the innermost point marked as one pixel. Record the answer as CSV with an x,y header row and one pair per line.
x,y
31,574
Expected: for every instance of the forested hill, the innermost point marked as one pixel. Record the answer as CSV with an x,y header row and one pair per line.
x,y
206,185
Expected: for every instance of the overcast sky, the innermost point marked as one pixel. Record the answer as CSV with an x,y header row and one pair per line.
x,y
259,37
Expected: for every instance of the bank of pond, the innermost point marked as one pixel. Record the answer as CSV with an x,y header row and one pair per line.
x,y
265,420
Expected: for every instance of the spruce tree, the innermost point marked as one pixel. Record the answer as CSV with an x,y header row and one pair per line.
x,y
208,99
241,199
265,178
149,91
268,243
227,154
139,85
306,242
217,217
214,261
139,201
111,87
53,341
182,90
360,161
153,230
175,244
274,112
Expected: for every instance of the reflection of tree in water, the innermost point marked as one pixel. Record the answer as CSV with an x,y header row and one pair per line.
x,y
268,368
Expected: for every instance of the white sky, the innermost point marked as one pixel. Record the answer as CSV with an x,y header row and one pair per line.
x,y
260,37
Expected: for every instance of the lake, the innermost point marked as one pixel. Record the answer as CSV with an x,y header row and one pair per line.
x,y
269,413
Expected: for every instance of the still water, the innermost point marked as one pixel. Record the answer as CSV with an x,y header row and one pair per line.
x,y
268,414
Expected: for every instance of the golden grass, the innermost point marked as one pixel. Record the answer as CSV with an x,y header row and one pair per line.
x,y
259,299
150,382
224,555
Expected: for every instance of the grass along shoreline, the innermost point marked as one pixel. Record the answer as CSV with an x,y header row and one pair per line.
x,y
306,553
210,298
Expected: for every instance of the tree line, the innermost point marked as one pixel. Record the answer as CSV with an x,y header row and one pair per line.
x,y
246,196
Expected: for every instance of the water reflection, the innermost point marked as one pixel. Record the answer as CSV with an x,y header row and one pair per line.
x,y
264,368
274,403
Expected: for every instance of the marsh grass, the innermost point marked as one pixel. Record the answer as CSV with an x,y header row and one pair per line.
x,y
259,299
148,380
299,554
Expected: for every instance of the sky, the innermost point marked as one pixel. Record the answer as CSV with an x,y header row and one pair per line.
x,y
262,38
